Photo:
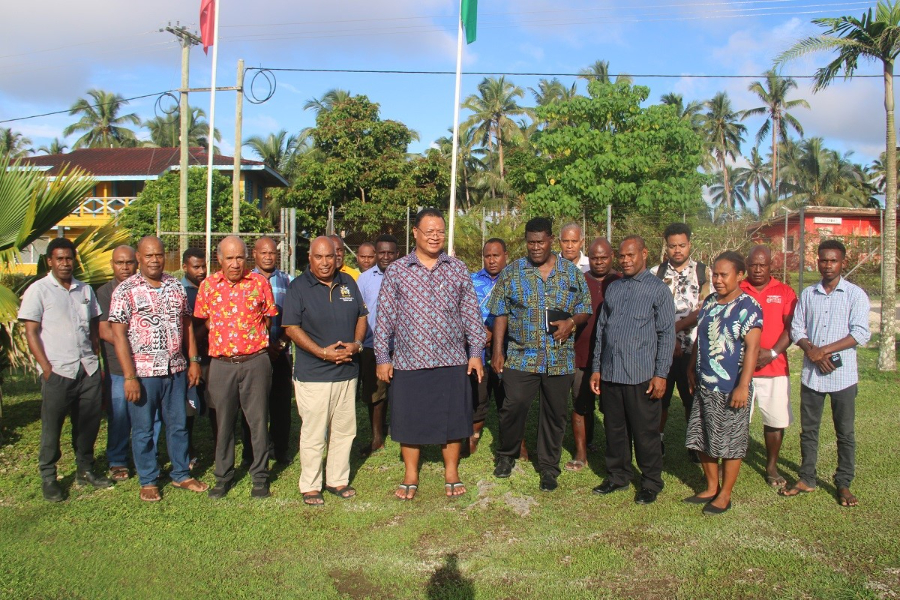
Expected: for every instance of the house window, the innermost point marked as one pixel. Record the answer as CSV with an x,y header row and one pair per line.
x,y
789,244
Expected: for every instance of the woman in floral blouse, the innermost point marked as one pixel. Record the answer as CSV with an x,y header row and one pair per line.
x,y
728,333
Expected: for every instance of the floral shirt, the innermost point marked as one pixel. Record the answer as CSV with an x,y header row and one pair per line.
x,y
721,329
155,320
687,295
236,313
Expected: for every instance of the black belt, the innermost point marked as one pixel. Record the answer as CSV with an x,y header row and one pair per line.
x,y
236,360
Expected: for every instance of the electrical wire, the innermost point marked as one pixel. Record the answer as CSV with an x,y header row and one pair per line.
x,y
67,111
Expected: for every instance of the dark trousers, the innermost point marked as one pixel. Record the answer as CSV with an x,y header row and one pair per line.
x,y
521,388
843,413
82,398
280,411
490,385
241,386
629,415
678,378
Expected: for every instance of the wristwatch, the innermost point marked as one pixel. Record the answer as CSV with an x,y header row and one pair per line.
x,y
774,354
195,359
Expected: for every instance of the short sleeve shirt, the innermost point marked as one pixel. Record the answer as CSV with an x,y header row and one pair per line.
x,y
369,284
778,302
686,292
155,320
327,314
65,318
236,313
721,329
104,297
279,282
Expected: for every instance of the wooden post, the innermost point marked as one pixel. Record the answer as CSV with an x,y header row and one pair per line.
x,y
236,174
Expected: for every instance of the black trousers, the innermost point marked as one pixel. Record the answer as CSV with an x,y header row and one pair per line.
x,y
678,378
521,388
82,398
490,385
280,411
242,386
629,415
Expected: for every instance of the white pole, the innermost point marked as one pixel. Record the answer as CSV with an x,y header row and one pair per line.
x,y
212,129
459,48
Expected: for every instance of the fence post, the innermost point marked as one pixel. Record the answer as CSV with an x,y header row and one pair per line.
x,y
609,223
293,227
158,219
802,248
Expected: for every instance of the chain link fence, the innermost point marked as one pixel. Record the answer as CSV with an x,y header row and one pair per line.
x,y
172,241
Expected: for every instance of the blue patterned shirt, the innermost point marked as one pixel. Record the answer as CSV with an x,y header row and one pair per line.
x,y
721,329
825,318
280,281
369,284
484,285
522,295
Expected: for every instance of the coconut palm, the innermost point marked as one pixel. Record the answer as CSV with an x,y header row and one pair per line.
x,y
165,131
878,173
57,146
467,158
818,176
692,112
275,150
101,122
724,135
755,176
327,101
728,191
492,108
871,38
13,144
773,92
599,71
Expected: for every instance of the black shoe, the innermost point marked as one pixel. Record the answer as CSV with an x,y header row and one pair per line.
x,y
697,499
88,478
709,509
52,491
608,487
283,460
505,466
548,482
219,490
646,496
260,490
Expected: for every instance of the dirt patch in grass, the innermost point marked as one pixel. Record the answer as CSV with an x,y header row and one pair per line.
x,y
354,584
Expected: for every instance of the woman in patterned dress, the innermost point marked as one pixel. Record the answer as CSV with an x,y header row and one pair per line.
x,y
728,333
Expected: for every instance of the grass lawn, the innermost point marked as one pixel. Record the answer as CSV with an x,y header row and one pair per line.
x,y
504,539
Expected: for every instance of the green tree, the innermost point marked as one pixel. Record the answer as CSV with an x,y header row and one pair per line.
x,y
165,131
724,135
467,160
773,93
755,176
275,151
692,112
101,122
57,146
13,144
638,159
739,196
871,38
492,110
878,173
599,71
818,176
328,101
139,217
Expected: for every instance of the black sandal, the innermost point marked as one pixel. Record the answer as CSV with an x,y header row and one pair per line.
x,y
310,499
344,493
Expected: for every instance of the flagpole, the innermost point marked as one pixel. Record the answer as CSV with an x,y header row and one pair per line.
x,y
454,160
212,137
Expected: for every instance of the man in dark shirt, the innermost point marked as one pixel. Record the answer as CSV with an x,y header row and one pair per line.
x,y
598,278
193,264
632,357
118,430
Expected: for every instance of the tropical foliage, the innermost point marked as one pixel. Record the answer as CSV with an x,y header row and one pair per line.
x,y
13,144
165,131
101,121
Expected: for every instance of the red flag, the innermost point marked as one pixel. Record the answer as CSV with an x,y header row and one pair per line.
x,y
207,23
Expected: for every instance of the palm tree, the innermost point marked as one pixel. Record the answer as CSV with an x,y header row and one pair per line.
x,y
468,160
872,38
491,109
275,150
101,122
57,146
755,176
728,191
724,135
818,176
327,101
599,71
165,132
692,113
878,173
13,144
773,92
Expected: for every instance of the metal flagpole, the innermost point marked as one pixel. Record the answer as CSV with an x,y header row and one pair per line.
x,y
454,160
212,140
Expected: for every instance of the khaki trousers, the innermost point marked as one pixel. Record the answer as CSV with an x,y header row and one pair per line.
x,y
328,412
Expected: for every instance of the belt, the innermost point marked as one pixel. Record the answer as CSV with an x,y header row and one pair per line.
x,y
235,360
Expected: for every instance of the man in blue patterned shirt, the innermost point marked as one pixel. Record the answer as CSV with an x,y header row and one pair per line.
x,y
541,353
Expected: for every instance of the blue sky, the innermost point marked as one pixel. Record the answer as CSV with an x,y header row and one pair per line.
x,y
52,52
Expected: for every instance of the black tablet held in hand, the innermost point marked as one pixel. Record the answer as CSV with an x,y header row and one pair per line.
x,y
551,316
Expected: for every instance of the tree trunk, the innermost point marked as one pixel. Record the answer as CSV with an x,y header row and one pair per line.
x,y
776,127
887,353
500,150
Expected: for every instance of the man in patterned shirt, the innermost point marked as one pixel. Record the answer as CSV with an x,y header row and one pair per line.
x,y
541,355
237,306
151,325
688,281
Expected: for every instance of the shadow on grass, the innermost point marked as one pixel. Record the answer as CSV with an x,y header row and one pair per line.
x,y
16,417
448,582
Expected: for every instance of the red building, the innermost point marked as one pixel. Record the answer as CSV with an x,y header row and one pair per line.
x,y
858,228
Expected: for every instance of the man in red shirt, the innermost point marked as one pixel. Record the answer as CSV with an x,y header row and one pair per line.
x,y
771,380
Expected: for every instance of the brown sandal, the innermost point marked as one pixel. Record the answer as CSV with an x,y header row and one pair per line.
x,y
119,473
190,484
150,493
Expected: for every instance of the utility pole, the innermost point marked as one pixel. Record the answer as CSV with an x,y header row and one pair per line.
x,y
188,39
236,174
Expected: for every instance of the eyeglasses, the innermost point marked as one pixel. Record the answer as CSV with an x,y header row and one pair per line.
x,y
434,234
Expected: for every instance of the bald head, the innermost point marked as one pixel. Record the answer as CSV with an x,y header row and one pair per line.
x,y
322,258
338,250
600,257
759,266
232,255
123,263
765,251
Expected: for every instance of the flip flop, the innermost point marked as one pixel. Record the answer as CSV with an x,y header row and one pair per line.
x,y
344,493
315,499
406,487
452,487
776,482
790,492
150,493
574,465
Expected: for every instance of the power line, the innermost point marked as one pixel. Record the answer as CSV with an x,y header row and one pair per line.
x,y
67,111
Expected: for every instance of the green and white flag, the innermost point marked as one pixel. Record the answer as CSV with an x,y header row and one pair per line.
x,y
469,16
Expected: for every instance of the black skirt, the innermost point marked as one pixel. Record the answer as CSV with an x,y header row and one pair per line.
x,y
430,406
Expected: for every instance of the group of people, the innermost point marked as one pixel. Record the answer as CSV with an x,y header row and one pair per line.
x,y
432,344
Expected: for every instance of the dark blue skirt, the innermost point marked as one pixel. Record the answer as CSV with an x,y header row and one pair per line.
x,y
430,406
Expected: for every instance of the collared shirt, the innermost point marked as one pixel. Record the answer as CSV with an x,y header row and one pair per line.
x,y
327,314
369,284
586,336
154,317
685,289
431,314
107,350
65,318
635,330
202,337
236,313
583,262
354,273
484,285
778,302
279,281
720,342
523,296
825,318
